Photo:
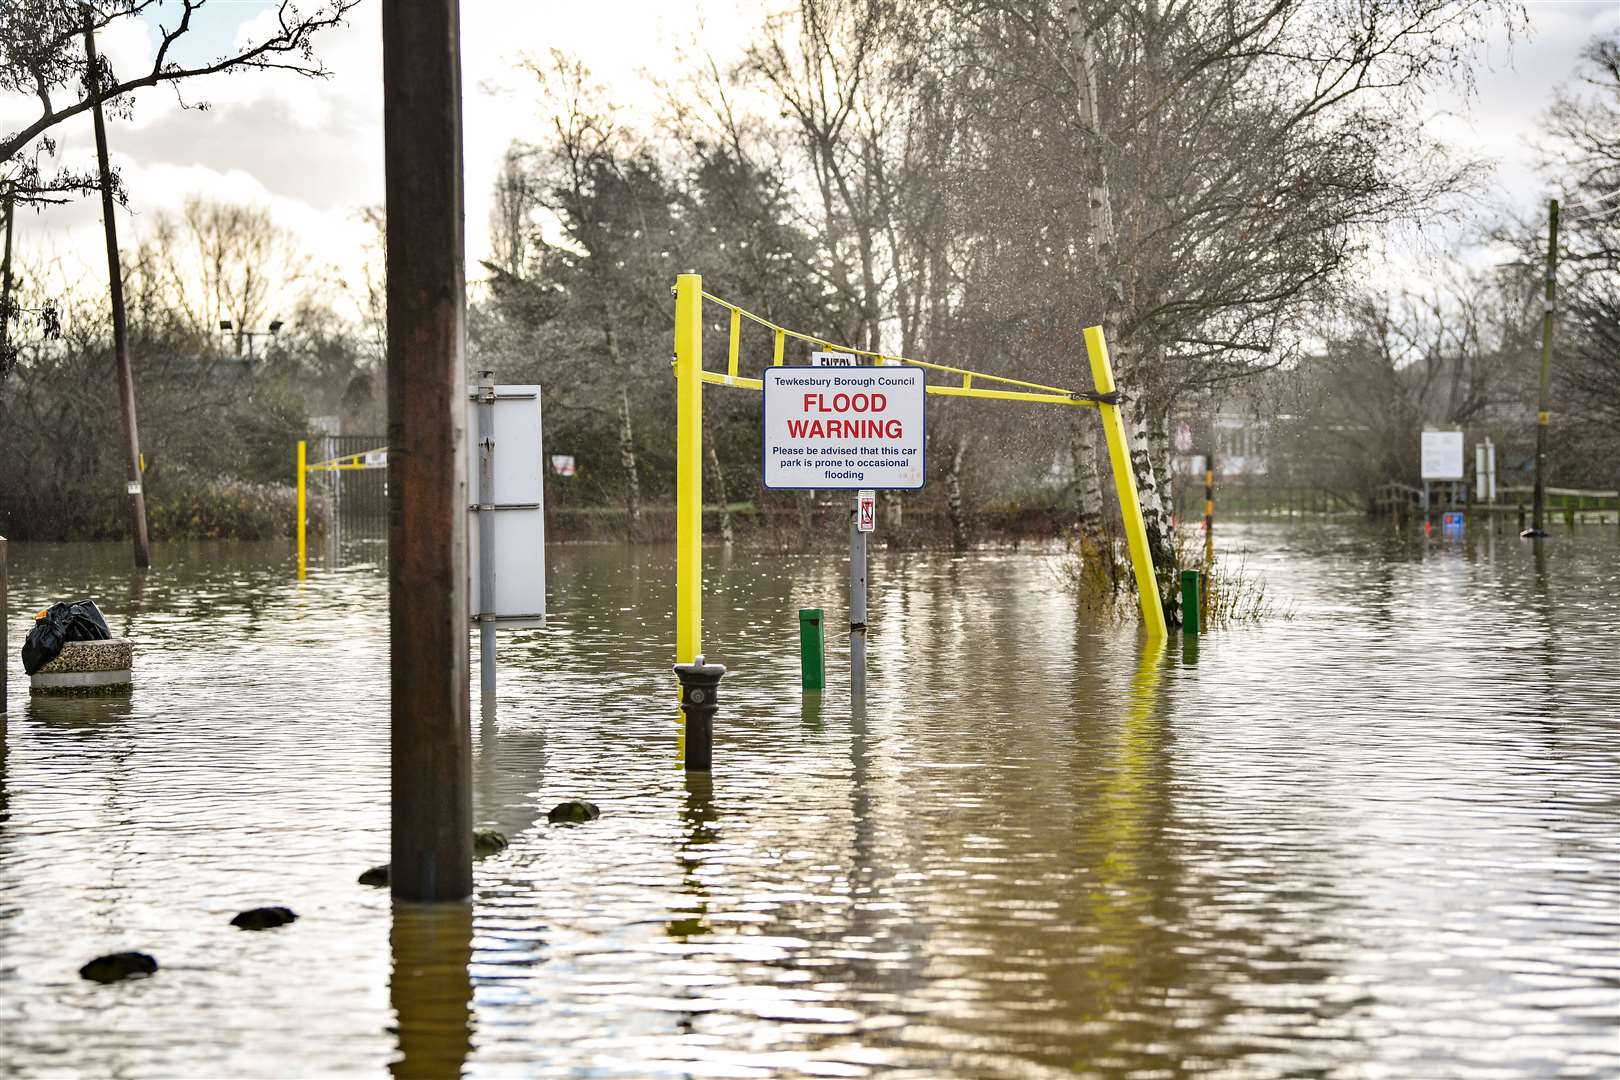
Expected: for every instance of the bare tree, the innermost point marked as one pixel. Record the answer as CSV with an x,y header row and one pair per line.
x,y
41,59
512,231
1198,176
1581,156
218,261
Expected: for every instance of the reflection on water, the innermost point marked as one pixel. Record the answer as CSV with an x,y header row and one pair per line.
x,y
1378,839
430,988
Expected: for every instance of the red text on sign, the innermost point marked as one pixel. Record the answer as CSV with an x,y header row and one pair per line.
x,y
843,403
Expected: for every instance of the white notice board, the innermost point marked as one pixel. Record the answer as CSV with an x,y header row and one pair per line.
x,y
1442,455
520,521
832,429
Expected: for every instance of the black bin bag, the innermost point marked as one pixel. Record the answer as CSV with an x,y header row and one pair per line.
x,y
77,620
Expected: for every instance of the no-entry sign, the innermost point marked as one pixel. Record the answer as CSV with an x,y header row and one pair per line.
x,y
832,429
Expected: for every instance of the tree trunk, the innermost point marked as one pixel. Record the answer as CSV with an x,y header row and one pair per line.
x,y
953,499
1087,474
726,536
892,509
627,458
1154,518
1163,467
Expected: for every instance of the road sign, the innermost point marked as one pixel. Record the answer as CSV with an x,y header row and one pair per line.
x,y
1442,453
866,511
833,359
562,464
831,430
516,510
1451,523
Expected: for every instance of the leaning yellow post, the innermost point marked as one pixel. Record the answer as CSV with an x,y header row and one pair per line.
x,y
1119,456
302,472
688,467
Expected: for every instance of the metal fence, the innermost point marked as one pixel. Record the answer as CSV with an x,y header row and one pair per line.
x,y
357,499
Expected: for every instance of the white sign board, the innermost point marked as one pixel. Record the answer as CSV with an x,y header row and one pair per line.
x,y
1442,455
562,464
519,519
866,511
833,359
834,430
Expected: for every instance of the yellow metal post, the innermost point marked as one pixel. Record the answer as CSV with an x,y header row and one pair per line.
x,y
1119,456
688,467
736,340
302,473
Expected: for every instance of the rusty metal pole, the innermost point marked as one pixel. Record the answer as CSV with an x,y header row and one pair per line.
x,y
431,756
5,284
5,629
115,288
1538,524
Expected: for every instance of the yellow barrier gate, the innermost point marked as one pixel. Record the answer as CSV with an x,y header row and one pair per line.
x,y
366,459
690,377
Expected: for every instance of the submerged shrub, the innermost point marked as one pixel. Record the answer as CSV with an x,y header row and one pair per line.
x,y
1097,567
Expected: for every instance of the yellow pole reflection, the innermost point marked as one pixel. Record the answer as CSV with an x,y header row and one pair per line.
x,y
1122,831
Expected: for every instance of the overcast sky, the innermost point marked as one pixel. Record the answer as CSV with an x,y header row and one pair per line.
x,y
312,150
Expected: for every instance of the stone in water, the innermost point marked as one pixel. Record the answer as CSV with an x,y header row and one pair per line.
x,y
264,918
117,966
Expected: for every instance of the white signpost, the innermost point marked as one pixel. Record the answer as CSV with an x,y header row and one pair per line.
x,y
506,525
1485,471
842,426
1442,459
1442,455
844,431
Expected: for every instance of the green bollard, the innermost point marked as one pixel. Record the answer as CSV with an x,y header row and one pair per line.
x,y
812,649
1191,623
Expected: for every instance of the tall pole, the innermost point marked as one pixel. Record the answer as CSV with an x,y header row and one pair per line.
x,y
431,751
486,537
688,467
1543,417
5,284
857,603
115,288
303,508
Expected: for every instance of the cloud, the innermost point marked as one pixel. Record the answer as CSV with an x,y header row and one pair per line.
x,y
312,149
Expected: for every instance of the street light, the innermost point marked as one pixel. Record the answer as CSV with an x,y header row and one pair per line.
x,y
227,327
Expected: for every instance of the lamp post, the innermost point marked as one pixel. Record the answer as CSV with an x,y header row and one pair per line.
x,y
227,327
1549,302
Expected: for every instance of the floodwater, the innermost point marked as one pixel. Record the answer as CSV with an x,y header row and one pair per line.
x,y
1378,839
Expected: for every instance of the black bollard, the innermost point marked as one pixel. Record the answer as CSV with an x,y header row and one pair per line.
x,y
700,688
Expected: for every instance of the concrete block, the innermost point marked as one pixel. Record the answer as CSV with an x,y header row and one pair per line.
x,y
87,667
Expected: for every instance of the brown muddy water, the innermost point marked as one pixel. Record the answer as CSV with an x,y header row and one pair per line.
x,y
1380,839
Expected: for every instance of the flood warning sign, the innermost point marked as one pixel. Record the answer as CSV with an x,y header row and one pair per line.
x,y
850,428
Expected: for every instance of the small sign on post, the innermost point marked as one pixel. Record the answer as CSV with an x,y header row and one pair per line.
x,y
833,359
866,511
